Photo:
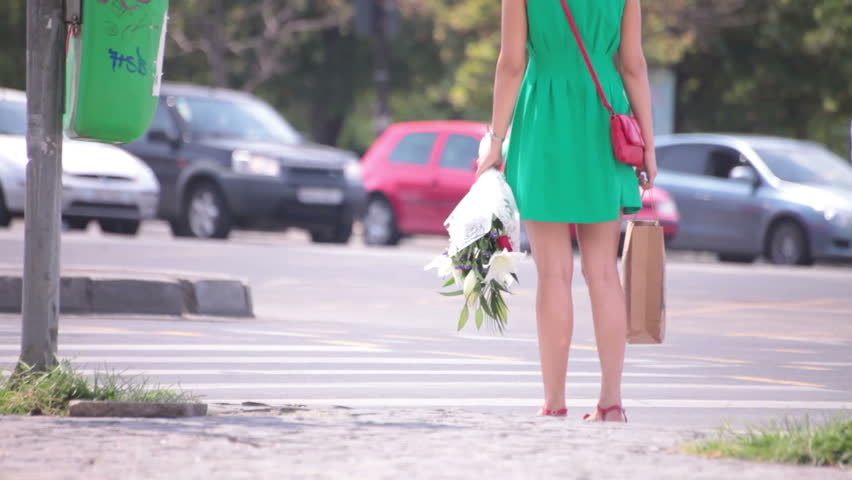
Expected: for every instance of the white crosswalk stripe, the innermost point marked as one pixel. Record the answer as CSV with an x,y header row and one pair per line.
x,y
235,365
536,402
205,348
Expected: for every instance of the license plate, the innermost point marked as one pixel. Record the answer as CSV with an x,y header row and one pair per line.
x,y
320,196
104,196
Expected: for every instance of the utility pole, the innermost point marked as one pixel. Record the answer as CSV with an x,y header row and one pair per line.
x,y
216,26
381,72
379,19
46,42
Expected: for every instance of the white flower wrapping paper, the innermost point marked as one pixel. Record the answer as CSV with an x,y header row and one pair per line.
x,y
489,197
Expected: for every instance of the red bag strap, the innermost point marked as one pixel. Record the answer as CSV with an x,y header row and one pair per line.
x,y
586,56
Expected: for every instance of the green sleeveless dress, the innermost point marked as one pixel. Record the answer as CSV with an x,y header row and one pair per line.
x,y
560,162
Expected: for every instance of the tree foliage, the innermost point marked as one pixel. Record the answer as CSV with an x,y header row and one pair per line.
x,y
770,66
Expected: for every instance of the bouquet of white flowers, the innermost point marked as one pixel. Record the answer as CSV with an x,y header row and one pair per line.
x,y
480,262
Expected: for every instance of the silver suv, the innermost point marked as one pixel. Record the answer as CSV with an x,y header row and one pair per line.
x,y
745,196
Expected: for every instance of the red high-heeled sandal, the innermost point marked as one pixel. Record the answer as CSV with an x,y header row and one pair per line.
x,y
603,411
544,412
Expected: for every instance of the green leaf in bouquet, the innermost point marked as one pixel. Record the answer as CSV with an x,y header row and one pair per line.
x,y
484,302
515,276
502,309
450,282
495,305
479,318
457,293
464,316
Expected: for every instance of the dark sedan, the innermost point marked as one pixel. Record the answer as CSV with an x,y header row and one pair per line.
x,y
226,159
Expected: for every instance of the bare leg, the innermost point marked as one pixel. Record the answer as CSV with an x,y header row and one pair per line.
x,y
554,260
599,249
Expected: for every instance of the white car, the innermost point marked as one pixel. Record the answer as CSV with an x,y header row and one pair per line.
x,y
99,182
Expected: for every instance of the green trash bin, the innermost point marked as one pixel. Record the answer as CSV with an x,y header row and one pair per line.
x,y
114,69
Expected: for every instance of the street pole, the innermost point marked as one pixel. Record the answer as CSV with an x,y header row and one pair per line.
x,y
381,73
216,27
45,86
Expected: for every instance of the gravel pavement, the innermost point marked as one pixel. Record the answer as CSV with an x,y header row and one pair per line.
x,y
335,443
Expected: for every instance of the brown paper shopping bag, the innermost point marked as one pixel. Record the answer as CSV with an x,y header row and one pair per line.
x,y
643,276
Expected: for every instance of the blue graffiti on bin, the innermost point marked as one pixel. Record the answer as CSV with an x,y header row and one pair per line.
x,y
129,63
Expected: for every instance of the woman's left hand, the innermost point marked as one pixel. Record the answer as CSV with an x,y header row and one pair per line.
x,y
493,159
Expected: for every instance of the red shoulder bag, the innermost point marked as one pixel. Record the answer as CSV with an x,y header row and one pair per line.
x,y
627,140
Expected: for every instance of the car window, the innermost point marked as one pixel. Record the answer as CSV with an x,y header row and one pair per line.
x,y
245,119
690,159
460,152
722,160
163,120
807,164
415,148
13,118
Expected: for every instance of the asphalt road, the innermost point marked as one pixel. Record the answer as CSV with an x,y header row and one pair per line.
x,y
365,327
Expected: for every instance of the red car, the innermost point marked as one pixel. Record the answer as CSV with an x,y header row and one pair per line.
x,y
416,173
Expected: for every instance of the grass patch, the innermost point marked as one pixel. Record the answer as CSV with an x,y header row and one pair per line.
x,y
31,392
802,443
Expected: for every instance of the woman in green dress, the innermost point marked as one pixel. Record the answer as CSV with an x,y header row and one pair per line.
x,y
562,169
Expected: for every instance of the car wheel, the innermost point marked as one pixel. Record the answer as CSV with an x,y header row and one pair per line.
x,y
78,223
339,233
788,245
736,258
205,213
179,228
5,218
380,226
120,227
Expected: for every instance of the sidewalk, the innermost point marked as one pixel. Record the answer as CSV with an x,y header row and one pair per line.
x,y
339,443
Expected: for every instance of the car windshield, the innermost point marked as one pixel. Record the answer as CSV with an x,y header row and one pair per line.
x,y
807,164
13,118
248,120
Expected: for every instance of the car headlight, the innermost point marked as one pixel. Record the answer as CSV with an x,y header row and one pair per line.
x,y
249,163
840,218
352,171
147,177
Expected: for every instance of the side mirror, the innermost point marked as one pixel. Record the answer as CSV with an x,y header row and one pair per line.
x,y
162,136
744,174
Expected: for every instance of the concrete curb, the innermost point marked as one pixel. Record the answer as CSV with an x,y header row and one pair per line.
x,y
93,408
114,292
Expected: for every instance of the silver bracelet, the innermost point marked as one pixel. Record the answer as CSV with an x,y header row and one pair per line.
x,y
494,136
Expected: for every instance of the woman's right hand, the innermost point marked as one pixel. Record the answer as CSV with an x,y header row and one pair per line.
x,y
492,159
649,169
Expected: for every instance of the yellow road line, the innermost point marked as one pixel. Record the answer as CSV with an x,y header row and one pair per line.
x,y
321,330
805,367
180,334
96,329
741,315
346,343
730,307
790,350
472,355
778,382
793,338
824,311
704,359
414,337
